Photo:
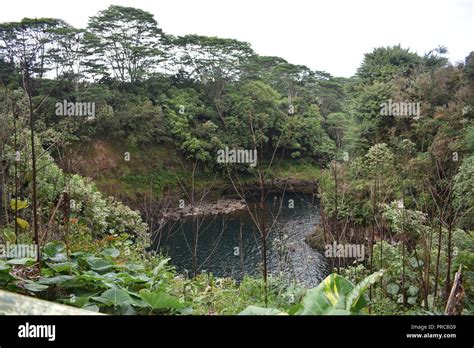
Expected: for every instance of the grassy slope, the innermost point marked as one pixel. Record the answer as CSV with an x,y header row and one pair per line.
x,y
161,169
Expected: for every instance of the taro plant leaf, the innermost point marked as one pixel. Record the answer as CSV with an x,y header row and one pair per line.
x,y
130,278
356,299
5,275
127,309
57,280
110,252
160,300
55,251
110,280
4,267
77,301
62,266
90,276
23,261
114,297
255,310
98,264
134,267
78,254
35,287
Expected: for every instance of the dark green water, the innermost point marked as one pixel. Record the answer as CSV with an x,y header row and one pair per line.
x,y
230,245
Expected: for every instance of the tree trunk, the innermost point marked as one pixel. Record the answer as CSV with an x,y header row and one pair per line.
x,y
437,263
448,273
454,305
2,189
15,144
33,161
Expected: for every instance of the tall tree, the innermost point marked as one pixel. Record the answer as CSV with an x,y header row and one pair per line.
x,y
212,61
383,63
124,43
28,45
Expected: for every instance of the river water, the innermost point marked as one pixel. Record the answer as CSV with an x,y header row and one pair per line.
x,y
230,245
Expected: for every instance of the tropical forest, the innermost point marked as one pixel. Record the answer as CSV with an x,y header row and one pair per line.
x,y
146,173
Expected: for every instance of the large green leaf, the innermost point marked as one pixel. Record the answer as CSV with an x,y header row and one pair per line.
x,y
5,275
62,266
130,278
111,252
55,251
4,267
329,295
35,287
134,267
98,264
57,280
160,300
114,297
127,309
77,301
255,310
90,277
356,298
23,261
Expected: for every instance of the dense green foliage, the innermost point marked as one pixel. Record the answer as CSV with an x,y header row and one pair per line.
x,y
403,184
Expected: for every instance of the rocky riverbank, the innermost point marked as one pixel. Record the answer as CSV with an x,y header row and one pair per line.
x,y
222,206
230,205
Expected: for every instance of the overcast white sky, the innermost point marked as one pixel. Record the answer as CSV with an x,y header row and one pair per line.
x,y
330,35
